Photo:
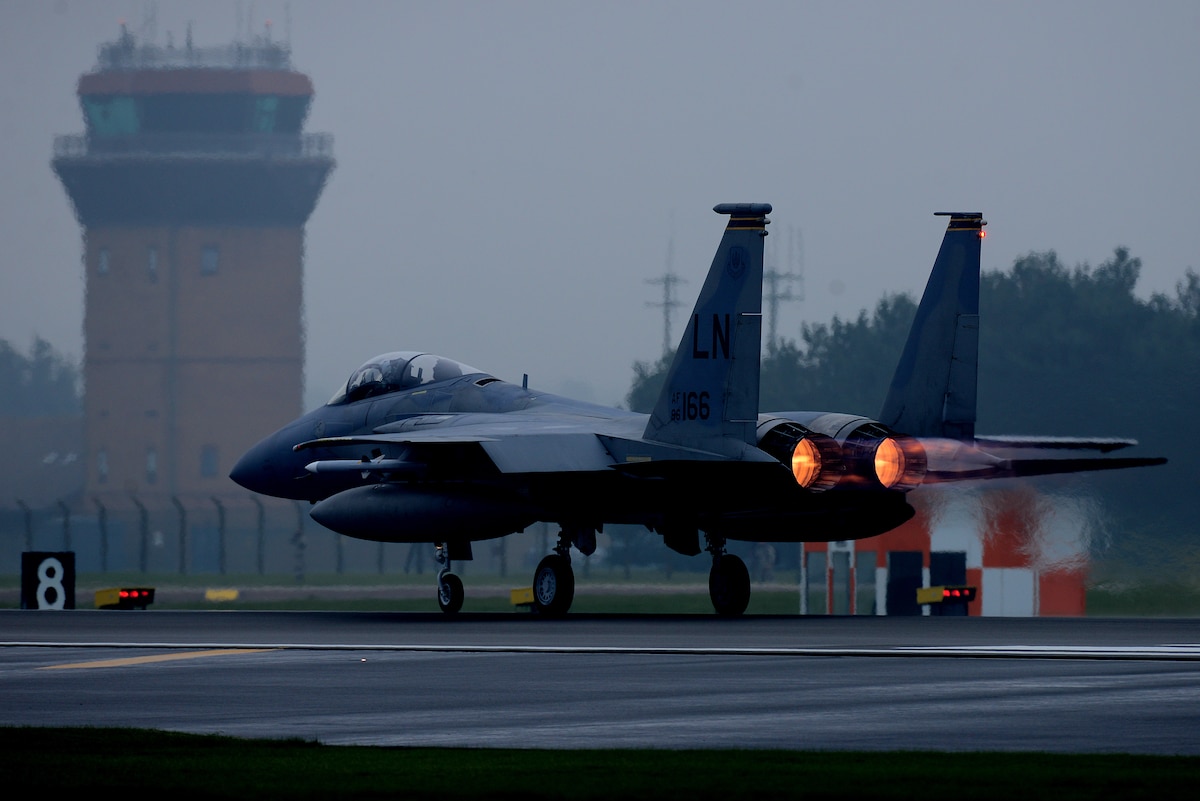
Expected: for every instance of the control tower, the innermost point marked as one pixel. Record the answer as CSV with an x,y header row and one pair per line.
x,y
193,181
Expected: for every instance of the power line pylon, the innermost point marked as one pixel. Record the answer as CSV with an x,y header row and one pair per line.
x,y
668,280
778,284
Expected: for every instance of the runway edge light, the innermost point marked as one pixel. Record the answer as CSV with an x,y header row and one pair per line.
x,y
124,598
945,594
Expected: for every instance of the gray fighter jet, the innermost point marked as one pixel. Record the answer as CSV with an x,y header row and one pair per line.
x,y
423,449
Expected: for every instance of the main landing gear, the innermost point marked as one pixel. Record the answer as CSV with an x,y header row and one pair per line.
x,y
553,585
553,581
728,580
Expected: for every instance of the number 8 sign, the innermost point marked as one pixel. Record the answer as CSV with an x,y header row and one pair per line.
x,y
48,580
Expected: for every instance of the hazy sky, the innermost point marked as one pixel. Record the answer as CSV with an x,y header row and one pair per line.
x,y
511,175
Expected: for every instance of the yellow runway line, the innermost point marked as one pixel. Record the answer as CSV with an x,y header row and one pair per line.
x,y
143,660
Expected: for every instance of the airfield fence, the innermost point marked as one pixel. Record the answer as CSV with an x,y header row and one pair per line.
x,y
223,535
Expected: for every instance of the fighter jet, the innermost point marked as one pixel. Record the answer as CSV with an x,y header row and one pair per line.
x,y
419,448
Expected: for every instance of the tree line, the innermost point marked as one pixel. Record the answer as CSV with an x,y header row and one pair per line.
x,y
1065,351
40,383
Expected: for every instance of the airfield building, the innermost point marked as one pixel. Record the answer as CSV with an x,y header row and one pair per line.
x,y
192,181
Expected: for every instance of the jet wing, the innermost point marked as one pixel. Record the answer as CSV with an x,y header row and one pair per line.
x,y
511,453
517,448
390,439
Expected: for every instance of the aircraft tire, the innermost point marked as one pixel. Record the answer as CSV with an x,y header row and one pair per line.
x,y
553,586
450,593
729,585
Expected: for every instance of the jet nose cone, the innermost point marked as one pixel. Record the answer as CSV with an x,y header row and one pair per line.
x,y
250,470
270,468
274,467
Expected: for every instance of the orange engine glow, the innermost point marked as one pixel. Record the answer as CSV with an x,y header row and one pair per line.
x,y
889,462
900,463
816,460
806,463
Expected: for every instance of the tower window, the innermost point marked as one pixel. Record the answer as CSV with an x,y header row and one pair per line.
x,y
264,113
208,461
112,116
209,258
102,261
152,263
151,465
102,466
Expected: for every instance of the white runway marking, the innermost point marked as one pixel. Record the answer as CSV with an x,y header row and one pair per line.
x,y
1166,652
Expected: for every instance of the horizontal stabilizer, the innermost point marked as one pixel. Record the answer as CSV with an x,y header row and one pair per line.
x,y
1026,468
1046,467
1102,444
952,460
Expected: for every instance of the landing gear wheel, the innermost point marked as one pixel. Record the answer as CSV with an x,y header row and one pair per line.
x,y
729,585
450,593
553,585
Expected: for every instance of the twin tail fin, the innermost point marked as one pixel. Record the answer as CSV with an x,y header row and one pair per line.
x,y
710,398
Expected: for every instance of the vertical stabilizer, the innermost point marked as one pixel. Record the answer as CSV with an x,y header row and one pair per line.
x,y
933,388
710,398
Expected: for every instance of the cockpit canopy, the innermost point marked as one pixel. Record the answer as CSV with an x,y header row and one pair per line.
x,y
393,372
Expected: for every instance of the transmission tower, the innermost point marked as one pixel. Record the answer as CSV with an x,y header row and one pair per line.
x,y
778,284
668,280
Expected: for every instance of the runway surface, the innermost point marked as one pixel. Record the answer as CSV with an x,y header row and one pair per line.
x,y
943,683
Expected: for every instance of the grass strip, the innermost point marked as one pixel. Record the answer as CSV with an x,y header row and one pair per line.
x,y
186,766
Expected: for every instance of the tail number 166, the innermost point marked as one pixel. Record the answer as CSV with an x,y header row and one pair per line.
x,y
691,406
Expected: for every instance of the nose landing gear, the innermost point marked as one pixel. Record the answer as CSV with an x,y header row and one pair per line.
x,y
450,590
